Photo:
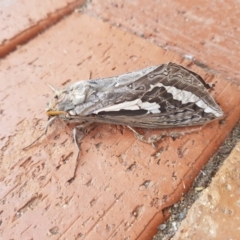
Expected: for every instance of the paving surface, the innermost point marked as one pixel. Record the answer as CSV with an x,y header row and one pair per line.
x,y
180,209
122,185
206,32
23,20
217,211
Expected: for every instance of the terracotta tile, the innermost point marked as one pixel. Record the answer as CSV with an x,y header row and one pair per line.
x,y
205,31
215,215
23,20
121,186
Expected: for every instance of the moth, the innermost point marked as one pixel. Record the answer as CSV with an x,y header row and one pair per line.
x,y
156,97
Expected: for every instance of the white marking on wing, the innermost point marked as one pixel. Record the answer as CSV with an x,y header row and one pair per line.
x,y
154,111
186,97
208,109
193,98
132,105
120,106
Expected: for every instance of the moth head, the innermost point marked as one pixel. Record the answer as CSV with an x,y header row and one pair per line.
x,y
67,99
54,107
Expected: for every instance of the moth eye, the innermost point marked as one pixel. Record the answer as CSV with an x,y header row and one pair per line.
x,y
58,98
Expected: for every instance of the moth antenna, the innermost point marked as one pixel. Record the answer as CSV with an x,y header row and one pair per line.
x,y
53,88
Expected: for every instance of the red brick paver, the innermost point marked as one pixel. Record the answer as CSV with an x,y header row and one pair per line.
x,y
205,30
22,20
121,186
215,215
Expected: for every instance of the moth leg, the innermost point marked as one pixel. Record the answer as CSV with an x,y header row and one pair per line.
x,y
78,144
44,133
137,135
78,154
151,140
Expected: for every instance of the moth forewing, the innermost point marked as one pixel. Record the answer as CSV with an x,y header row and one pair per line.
x,y
156,97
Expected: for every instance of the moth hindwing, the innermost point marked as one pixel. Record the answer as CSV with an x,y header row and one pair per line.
x,y
156,97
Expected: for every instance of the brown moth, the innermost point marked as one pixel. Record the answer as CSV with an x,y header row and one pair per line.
x,y
156,97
